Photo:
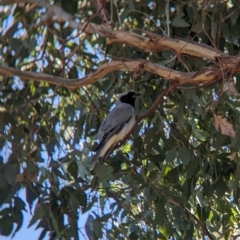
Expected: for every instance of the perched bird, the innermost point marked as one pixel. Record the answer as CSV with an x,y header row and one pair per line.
x,y
115,126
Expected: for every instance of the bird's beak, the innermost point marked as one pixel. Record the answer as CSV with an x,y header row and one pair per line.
x,y
137,95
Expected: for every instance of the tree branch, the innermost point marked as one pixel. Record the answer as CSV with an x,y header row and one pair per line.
x,y
205,76
156,102
58,14
227,65
199,225
100,6
149,111
153,43
194,219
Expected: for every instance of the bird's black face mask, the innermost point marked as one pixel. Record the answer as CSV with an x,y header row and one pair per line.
x,y
129,98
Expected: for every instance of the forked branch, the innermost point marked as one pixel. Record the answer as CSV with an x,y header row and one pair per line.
x,y
150,110
152,43
224,65
205,76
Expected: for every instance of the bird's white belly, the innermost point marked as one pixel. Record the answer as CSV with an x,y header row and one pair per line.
x,y
115,139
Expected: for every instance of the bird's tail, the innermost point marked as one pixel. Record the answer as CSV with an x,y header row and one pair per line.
x,y
101,159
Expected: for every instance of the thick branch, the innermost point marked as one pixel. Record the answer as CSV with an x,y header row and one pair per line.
x,y
207,76
153,43
58,14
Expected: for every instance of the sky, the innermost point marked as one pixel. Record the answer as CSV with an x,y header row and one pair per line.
x,y
25,232
33,234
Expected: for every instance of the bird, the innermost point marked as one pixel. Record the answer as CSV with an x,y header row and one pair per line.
x,y
115,127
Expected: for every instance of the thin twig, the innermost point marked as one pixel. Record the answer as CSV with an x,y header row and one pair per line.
x,y
198,223
194,219
100,6
229,15
167,16
149,111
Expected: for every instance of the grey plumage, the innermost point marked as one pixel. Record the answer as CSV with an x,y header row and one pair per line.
x,y
115,127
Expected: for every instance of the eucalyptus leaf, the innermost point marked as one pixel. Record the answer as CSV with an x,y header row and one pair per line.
x,y
63,64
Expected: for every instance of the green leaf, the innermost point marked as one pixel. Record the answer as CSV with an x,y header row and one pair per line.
x,y
133,236
19,47
184,155
190,232
38,214
10,172
197,25
15,44
81,197
220,139
104,218
97,229
103,172
161,212
31,167
191,169
18,218
6,225
42,235
10,32
202,213
234,15
70,6
178,20
214,30
178,212
171,155
19,203
31,194
201,134
74,201
3,181
221,187
54,222
73,169
89,226
129,6
164,232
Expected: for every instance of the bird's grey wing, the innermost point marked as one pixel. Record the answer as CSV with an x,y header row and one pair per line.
x,y
114,122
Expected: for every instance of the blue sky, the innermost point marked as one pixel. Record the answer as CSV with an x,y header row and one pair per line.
x,y
31,233
25,232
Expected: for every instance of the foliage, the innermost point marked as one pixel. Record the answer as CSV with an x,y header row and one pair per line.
x,y
177,176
